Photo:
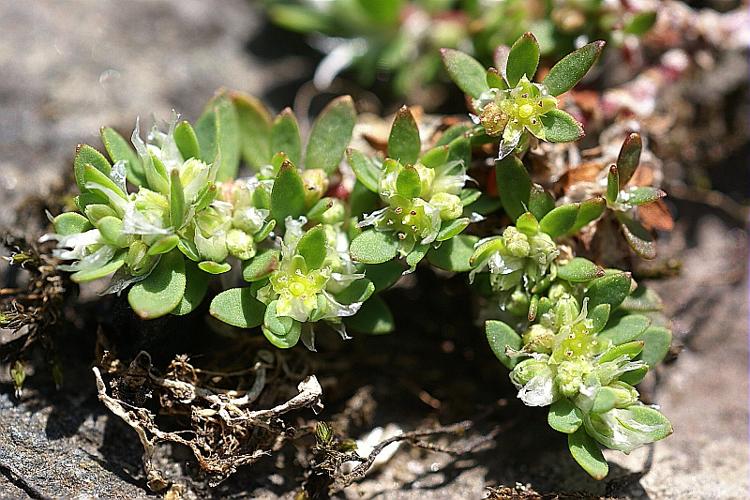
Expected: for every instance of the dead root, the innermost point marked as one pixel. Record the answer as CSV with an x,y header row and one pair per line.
x,y
30,309
225,433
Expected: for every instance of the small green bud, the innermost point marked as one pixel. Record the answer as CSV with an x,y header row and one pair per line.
x,y
493,119
516,242
542,249
249,219
449,205
138,260
111,230
316,184
528,369
335,213
626,395
194,175
212,248
566,310
426,177
97,211
570,376
539,339
240,244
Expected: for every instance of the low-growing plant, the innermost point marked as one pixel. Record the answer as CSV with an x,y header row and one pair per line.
x,y
317,244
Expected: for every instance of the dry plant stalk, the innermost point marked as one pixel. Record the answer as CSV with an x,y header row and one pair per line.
x,y
225,433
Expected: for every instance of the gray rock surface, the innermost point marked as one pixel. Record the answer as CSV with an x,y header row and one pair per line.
x,y
69,67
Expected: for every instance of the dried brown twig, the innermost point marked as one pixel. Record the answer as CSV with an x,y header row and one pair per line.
x,y
224,433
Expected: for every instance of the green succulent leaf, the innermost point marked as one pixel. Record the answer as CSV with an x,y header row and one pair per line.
x,y
513,185
86,155
564,417
657,340
435,157
643,300
579,270
261,266
285,137
119,149
374,318
408,183
238,307
71,223
212,267
454,254
559,221
572,68
637,236
365,168
528,224
164,244
629,350
95,176
187,141
466,72
162,291
605,400
644,195
613,182
523,59
599,316
450,229
495,80
218,133
313,247
559,126
588,211
330,135
110,229
358,291
404,144
94,274
416,255
196,287
459,149
384,275
611,289
500,336
373,247
281,331
624,328
634,377
540,202
588,454
287,194
254,123
629,158
177,207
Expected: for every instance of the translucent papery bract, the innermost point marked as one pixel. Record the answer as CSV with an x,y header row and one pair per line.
x,y
91,261
144,224
73,246
292,234
118,175
619,430
114,199
194,175
338,310
165,147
